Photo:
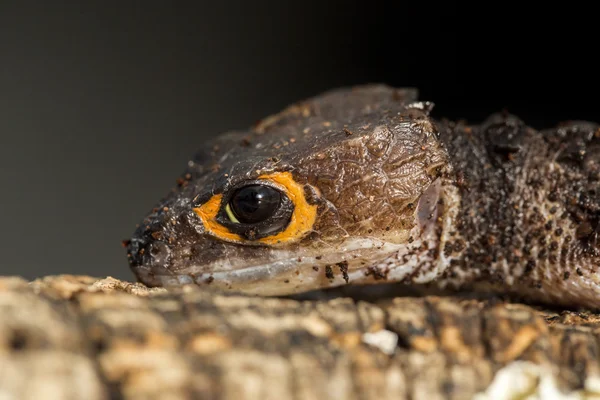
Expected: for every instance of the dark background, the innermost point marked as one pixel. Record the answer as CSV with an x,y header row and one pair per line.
x,y
100,105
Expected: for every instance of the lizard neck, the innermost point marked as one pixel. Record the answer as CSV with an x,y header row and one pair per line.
x,y
423,259
520,206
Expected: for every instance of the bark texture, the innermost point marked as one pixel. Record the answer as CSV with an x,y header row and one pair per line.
x,y
77,337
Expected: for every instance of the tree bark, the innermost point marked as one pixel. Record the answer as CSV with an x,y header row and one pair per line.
x,y
77,337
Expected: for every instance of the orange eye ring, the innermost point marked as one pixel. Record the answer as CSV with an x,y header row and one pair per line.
x,y
301,222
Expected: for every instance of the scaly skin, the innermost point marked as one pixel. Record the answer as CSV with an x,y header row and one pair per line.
x,y
399,197
530,207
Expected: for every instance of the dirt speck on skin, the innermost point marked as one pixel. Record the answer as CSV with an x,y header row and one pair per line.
x,y
344,270
329,272
377,273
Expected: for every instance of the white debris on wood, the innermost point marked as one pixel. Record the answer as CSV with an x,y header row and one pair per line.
x,y
524,380
384,340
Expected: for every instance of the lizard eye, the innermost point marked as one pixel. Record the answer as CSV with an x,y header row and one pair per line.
x,y
270,210
256,210
253,204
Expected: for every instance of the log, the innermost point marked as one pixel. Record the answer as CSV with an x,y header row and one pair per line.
x,y
79,337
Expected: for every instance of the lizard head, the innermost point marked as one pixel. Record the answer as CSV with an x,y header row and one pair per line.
x,y
326,192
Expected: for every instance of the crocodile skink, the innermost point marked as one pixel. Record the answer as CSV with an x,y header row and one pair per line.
x,y
362,186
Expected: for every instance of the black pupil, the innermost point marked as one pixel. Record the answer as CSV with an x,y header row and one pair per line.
x,y
255,203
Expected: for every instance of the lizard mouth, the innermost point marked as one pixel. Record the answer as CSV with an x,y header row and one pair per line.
x,y
359,260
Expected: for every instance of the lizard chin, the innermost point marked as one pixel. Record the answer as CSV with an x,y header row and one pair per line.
x,y
358,260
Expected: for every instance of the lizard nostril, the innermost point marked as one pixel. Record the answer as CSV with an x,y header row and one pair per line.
x,y
159,253
148,253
